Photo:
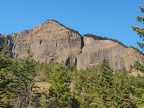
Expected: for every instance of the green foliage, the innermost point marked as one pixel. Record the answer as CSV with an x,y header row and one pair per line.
x,y
95,37
137,88
88,88
122,90
69,88
102,88
138,30
138,83
59,94
85,88
24,72
139,66
106,84
5,60
5,76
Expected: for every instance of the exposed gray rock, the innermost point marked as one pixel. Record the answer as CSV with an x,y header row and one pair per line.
x,y
49,41
53,42
95,51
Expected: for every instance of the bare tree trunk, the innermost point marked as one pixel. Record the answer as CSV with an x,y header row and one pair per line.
x,y
17,103
30,99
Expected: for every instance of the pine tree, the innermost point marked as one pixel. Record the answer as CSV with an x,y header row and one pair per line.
x,y
140,32
122,90
137,88
86,89
5,76
25,72
105,84
59,95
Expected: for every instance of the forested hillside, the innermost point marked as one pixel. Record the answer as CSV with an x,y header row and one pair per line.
x,y
98,87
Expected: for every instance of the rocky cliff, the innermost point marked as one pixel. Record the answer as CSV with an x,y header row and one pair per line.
x,y
52,41
95,51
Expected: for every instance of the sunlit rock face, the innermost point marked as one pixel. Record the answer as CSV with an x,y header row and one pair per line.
x,y
53,42
94,51
49,41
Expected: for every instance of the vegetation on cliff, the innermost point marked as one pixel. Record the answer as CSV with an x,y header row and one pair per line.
x,y
95,37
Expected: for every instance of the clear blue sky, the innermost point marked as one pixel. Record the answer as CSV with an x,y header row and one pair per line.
x,y
110,18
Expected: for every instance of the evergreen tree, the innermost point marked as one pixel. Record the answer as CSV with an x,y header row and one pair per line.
x,y
5,76
94,88
59,95
105,84
137,88
122,90
86,89
140,32
81,88
25,72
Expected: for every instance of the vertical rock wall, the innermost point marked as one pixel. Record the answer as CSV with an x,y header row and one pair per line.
x,y
53,42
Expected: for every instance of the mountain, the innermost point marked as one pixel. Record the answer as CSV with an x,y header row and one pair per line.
x,y
94,51
53,42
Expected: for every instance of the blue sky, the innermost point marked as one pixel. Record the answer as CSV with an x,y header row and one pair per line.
x,y
110,18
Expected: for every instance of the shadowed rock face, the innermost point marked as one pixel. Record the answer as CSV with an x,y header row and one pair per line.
x,y
52,41
2,39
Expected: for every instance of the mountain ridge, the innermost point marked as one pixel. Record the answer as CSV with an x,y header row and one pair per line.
x,y
52,41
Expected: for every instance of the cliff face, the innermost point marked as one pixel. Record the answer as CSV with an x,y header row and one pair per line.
x,y
95,51
52,41
49,42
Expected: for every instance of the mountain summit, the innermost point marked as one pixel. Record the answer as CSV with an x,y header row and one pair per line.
x,y
53,42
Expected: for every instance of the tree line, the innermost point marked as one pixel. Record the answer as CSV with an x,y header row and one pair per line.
x,y
97,87
69,88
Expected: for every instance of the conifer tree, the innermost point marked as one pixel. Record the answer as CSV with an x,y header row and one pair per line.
x,y
105,84
137,88
137,84
5,76
140,32
59,95
25,72
122,90
86,89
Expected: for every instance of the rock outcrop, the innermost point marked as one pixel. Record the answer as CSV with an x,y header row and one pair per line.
x,y
49,42
53,42
95,51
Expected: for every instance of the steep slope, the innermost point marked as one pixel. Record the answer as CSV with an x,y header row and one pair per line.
x,y
53,42
49,42
95,51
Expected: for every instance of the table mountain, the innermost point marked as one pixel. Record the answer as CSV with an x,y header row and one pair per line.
x,y
53,42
